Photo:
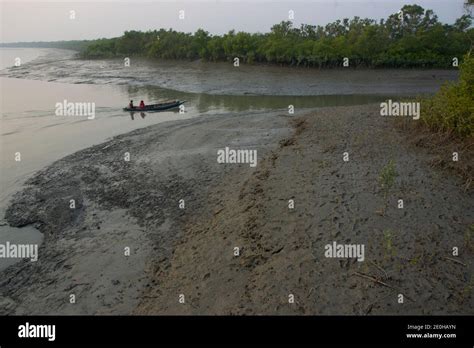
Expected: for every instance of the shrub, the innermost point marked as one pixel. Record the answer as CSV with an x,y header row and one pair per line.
x,y
452,108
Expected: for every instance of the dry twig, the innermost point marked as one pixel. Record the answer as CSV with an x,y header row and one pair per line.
x,y
366,276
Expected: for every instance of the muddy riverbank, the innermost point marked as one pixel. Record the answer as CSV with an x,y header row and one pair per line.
x,y
190,251
120,204
408,251
225,79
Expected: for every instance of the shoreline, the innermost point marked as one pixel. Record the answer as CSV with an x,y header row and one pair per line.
x,y
262,64
173,251
220,78
113,213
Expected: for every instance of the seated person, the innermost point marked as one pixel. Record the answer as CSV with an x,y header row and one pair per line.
x,y
142,104
130,105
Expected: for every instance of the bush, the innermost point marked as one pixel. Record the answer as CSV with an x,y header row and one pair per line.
x,y
452,108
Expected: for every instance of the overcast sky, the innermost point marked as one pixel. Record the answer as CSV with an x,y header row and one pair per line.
x,y
50,21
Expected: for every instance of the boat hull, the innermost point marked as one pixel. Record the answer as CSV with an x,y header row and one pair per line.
x,y
156,107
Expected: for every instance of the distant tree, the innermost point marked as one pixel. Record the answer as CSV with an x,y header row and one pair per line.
x,y
411,37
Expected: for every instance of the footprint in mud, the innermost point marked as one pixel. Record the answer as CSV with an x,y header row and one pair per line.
x,y
344,264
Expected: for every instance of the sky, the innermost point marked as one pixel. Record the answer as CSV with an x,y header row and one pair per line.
x,y
52,21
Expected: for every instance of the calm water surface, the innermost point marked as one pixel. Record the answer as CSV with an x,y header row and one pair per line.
x,y
29,94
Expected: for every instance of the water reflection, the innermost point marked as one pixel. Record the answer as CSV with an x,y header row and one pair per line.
x,y
132,114
237,103
143,114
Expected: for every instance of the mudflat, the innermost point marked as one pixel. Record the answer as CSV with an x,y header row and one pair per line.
x,y
183,259
408,251
219,78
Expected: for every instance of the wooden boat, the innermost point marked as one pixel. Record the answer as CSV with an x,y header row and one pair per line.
x,y
156,107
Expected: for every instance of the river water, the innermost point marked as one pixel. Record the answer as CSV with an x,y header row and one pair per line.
x,y
29,93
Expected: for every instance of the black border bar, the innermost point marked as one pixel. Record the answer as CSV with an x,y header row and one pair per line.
x,y
347,330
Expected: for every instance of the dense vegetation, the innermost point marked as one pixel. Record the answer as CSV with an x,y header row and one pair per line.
x,y
413,37
451,110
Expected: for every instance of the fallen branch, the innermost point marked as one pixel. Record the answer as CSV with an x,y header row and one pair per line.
x,y
366,276
380,268
454,260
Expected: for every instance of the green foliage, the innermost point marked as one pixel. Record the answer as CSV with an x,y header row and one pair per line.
x,y
452,108
415,39
387,176
388,243
102,48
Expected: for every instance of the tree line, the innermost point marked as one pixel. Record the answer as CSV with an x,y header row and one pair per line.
x,y
412,37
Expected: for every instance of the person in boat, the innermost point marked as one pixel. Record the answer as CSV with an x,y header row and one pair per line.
x,y
130,105
142,104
